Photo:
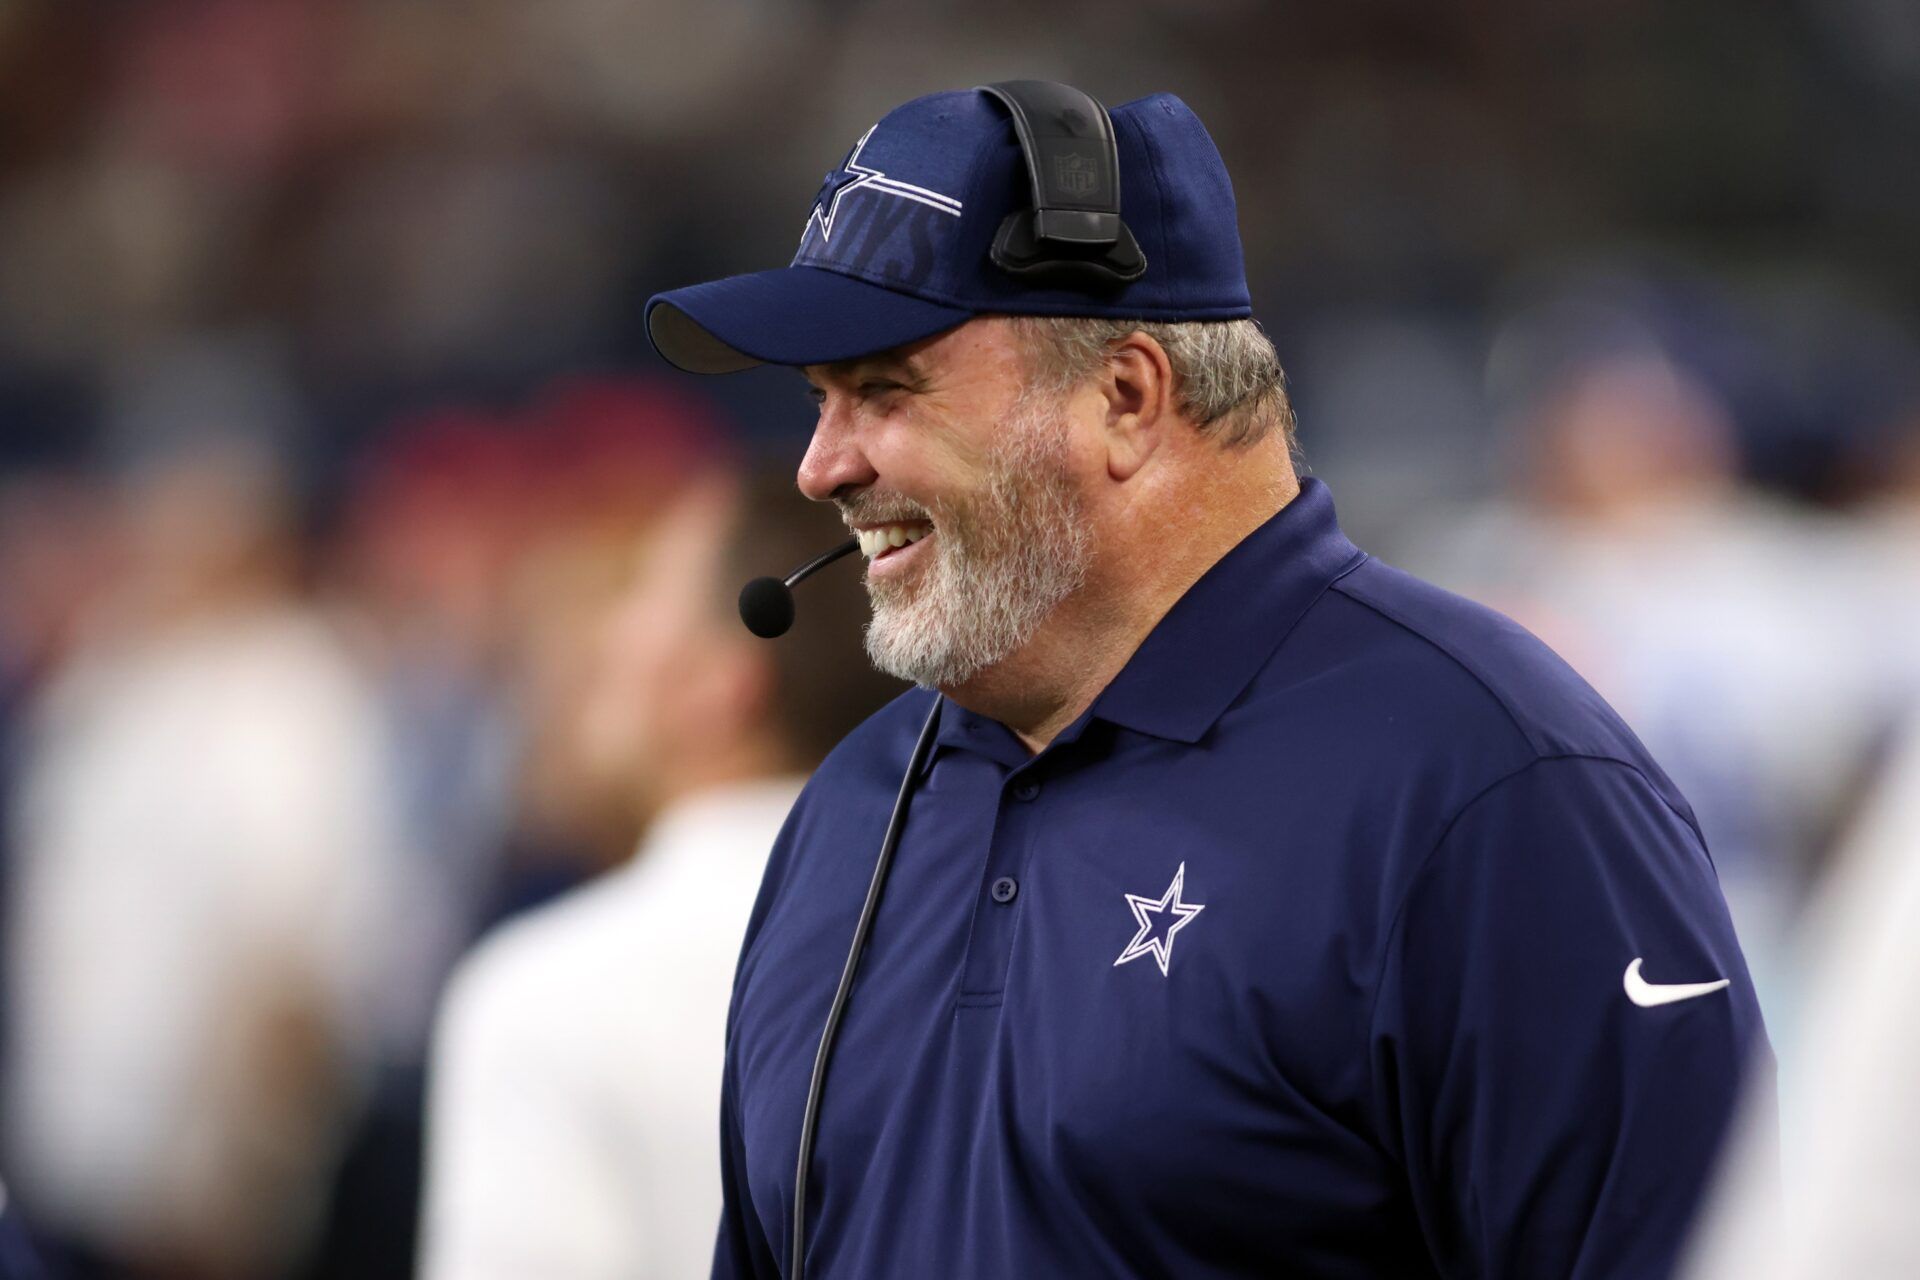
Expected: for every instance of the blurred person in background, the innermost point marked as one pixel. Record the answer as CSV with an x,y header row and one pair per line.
x,y
576,1076
1836,1197
1889,578
204,839
480,544
60,548
1832,1193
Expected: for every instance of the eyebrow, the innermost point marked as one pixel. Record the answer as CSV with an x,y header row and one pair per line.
x,y
890,362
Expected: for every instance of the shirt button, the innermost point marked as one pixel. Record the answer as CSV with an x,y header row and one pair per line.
x,y
1026,790
1004,889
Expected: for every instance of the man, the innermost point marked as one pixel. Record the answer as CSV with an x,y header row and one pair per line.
x,y
576,1070
1260,910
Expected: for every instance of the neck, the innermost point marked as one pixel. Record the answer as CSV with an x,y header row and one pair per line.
x,y
746,758
1139,574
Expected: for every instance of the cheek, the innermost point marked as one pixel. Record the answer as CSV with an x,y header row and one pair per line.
x,y
923,473
935,459
643,696
637,672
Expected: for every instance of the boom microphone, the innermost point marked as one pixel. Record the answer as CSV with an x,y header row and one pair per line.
x,y
766,604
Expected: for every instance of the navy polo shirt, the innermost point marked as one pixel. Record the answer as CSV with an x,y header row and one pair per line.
x,y
1348,933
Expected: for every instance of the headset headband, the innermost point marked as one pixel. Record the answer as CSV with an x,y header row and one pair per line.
x,y
1074,233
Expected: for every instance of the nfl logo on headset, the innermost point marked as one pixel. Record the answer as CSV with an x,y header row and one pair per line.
x,y
1075,174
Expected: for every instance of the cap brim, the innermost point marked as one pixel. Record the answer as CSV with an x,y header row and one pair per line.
x,y
790,315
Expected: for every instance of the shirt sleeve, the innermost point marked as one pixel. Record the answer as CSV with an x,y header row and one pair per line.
x,y
1554,1116
742,1251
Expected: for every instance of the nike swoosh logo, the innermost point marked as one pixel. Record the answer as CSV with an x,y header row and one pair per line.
x,y
1649,994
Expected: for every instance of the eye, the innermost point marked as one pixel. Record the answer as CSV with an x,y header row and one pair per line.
x,y
816,394
874,388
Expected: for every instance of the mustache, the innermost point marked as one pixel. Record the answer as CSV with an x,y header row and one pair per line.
x,y
880,508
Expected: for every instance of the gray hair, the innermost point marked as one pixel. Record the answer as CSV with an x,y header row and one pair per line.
x,y
1226,376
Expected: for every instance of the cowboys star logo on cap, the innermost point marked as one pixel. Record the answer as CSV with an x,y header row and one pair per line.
x,y
852,175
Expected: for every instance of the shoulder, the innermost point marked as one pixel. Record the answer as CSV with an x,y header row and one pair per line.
x,y
825,849
1479,664
877,749
861,773
531,972
1421,691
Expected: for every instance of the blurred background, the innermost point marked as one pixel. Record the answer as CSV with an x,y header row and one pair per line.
x,y
329,433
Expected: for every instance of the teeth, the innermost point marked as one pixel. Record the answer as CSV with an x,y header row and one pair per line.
x,y
874,541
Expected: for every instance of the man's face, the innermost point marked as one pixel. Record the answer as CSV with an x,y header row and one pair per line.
x,y
661,647
962,483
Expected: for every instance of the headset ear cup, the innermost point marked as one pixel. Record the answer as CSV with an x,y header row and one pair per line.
x,y
1124,257
1019,252
1015,249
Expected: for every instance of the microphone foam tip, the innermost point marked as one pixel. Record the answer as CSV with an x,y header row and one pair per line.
x,y
766,606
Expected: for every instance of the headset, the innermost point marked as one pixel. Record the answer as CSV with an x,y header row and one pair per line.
x,y
1073,236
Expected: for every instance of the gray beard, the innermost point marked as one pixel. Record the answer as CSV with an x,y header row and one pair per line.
x,y
1002,562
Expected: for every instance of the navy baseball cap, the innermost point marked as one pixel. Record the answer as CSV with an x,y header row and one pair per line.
x,y
897,246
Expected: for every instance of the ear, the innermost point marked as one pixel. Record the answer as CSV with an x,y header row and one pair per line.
x,y
1140,408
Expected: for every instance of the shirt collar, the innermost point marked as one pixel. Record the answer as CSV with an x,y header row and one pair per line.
x,y
1207,649
1196,662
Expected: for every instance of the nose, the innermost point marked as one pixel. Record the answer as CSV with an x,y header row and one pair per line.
x,y
835,464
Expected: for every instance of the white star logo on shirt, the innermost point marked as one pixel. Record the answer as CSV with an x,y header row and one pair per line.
x,y
1159,920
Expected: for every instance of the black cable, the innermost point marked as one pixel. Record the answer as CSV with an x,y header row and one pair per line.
x,y
827,1034
820,562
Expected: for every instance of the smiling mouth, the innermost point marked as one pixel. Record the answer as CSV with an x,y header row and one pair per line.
x,y
883,540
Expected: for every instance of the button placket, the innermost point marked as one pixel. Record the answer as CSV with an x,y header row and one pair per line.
x,y
990,945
